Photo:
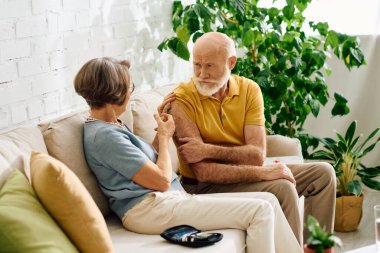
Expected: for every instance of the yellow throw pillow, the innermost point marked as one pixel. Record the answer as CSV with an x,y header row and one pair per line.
x,y
71,205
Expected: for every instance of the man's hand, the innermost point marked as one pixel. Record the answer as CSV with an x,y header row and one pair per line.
x,y
192,150
277,171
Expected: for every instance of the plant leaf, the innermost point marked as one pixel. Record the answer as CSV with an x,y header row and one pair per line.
x,y
371,183
354,142
314,106
288,11
178,48
163,45
339,98
370,136
202,12
369,172
328,141
183,33
354,187
238,5
176,14
350,132
322,155
340,108
368,149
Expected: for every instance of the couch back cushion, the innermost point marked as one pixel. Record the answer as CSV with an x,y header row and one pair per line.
x,y
143,106
64,141
15,148
278,145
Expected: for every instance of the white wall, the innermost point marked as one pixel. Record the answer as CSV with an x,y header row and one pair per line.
x,y
43,43
361,87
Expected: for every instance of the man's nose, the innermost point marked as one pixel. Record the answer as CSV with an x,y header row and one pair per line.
x,y
203,73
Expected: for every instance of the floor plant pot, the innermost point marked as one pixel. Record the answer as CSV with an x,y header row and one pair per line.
x,y
306,249
348,213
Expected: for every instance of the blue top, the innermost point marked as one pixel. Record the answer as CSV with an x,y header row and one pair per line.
x,y
114,155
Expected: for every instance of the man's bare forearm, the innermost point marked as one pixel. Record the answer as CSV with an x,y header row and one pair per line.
x,y
243,155
218,173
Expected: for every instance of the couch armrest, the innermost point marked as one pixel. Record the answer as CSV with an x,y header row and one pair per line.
x,y
278,145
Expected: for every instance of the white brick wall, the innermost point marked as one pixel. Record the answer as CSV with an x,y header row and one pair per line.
x,y
43,43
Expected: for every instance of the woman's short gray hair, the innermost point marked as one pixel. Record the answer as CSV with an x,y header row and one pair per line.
x,y
103,81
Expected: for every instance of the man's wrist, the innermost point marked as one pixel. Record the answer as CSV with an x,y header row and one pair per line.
x,y
208,151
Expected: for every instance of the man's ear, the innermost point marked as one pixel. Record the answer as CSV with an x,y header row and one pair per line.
x,y
232,62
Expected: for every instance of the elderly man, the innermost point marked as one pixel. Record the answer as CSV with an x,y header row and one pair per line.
x,y
221,139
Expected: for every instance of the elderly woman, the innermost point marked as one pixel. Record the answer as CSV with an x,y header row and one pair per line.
x,y
138,179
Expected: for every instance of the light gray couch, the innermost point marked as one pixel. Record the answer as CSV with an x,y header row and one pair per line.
x,y
62,139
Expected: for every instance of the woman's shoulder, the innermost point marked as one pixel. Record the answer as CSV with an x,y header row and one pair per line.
x,y
97,132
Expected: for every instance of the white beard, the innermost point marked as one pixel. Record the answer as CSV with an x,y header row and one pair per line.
x,y
205,90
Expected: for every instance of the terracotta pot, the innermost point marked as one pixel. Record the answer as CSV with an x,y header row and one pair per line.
x,y
348,213
306,249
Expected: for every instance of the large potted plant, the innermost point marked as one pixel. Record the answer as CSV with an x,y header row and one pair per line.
x,y
320,241
288,64
345,154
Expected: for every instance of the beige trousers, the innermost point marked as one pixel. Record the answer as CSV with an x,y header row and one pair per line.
x,y
259,214
315,181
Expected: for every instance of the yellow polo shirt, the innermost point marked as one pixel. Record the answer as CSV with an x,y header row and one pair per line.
x,y
222,122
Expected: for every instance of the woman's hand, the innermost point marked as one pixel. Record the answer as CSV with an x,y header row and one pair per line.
x,y
164,107
165,125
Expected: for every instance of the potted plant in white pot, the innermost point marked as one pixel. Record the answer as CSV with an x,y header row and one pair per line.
x,y
320,241
345,154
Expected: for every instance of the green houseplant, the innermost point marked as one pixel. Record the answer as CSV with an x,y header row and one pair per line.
x,y
345,154
320,240
289,65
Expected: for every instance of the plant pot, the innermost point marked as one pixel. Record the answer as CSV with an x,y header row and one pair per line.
x,y
306,249
348,213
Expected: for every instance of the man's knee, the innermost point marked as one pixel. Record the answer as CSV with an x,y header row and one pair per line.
x,y
285,190
326,170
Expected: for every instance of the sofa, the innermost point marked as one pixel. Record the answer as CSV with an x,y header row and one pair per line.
x,y
60,139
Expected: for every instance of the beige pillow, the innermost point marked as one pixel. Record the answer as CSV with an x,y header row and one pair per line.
x,y
278,145
143,107
71,205
64,141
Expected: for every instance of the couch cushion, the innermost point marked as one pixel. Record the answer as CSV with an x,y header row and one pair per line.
x,y
68,201
15,148
143,107
124,241
64,141
25,225
278,145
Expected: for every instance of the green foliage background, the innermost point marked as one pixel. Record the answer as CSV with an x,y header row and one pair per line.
x,y
289,65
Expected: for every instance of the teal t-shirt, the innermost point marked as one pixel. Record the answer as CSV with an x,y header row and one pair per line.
x,y
114,155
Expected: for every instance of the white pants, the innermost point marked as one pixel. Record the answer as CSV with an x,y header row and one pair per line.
x,y
258,213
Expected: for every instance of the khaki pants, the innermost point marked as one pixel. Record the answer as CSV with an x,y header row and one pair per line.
x,y
315,181
259,214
